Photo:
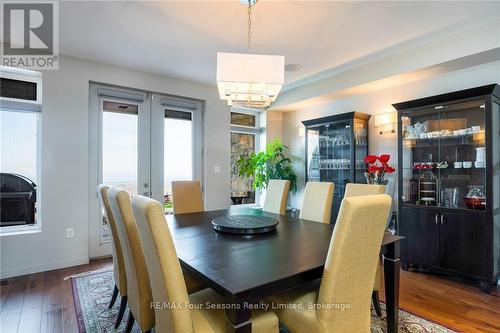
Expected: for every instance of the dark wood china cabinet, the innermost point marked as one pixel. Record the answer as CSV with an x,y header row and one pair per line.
x,y
449,183
335,148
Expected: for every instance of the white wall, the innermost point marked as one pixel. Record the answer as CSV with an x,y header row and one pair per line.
x,y
65,159
379,102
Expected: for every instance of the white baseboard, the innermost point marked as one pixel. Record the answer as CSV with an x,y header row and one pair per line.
x,y
48,266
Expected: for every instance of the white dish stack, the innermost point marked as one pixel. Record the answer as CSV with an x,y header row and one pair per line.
x,y
480,157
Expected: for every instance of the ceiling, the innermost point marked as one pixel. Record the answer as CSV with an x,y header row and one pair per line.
x,y
181,38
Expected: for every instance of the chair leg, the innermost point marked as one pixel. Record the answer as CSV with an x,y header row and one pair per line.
x,y
376,303
113,298
130,323
123,305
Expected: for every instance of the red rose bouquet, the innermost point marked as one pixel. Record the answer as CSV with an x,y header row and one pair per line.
x,y
378,166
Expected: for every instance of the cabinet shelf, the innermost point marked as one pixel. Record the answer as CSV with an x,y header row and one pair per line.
x,y
449,169
448,138
444,208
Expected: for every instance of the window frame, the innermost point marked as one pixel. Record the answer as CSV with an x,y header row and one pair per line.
x,y
28,106
256,131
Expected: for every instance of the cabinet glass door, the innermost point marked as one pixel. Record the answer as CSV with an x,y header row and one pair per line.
x,y
444,155
360,149
313,157
329,157
335,152
463,149
420,183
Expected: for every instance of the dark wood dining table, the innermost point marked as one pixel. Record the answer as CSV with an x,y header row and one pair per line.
x,y
245,269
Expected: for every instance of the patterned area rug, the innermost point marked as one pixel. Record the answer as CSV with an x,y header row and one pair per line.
x,y
92,292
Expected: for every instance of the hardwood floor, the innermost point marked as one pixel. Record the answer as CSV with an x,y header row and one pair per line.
x,y
43,302
459,306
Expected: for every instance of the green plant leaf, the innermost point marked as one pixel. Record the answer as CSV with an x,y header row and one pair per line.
x,y
271,163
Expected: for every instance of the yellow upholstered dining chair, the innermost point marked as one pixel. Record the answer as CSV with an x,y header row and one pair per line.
x,y
317,203
118,264
276,196
138,287
342,302
168,283
187,197
354,190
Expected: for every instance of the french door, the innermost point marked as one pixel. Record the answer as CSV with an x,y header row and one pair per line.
x,y
143,141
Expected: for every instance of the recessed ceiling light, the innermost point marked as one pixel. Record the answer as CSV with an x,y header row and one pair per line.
x,y
293,67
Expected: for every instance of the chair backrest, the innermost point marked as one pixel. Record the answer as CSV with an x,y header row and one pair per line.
x,y
276,196
118,264
317,203
187,197
138,286
354,190
351,263
167,282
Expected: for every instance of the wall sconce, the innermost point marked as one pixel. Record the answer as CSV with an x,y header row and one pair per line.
x,y
386,122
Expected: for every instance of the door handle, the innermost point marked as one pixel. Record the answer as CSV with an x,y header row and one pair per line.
x,y
436,219
443,219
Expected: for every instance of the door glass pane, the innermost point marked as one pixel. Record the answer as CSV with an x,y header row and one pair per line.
x,y
178,151
361,149
418,155
120,145
495,152
335,154
313,157
463,147
242,191
444,155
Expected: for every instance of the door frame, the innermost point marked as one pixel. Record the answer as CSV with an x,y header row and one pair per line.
x,y
99,247
160,103
96,247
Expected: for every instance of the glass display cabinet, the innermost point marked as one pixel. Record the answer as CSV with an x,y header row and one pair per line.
x,y
335,148
449,182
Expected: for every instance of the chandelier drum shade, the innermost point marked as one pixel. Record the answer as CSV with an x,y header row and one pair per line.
x,y
252,80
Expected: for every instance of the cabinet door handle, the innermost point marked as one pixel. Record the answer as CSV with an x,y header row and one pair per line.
x,y
443,219
436,219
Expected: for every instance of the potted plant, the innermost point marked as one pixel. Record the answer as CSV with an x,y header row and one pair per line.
x,y
378,166
272,163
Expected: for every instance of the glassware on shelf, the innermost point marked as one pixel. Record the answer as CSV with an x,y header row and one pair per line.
x,y
335,164
480,157
450,197
335,147
476,199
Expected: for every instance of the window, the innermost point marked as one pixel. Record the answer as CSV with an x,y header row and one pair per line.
x,y
20,112
242,119
178,147
244,140
119,145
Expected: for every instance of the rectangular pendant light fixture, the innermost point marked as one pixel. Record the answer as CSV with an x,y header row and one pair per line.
x,y
249,79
